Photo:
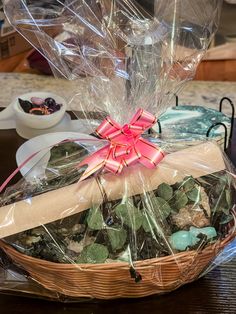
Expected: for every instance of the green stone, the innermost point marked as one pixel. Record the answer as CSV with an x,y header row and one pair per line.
x,y
95,219
93,254
181,240
129,215
117,238
210,232
165,191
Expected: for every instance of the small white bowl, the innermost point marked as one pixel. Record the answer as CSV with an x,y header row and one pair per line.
x,y
35,121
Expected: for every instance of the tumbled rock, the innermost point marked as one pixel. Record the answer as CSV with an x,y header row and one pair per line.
x,y
181,240
210,232
78,247
75,246
31,240
78,228
190,216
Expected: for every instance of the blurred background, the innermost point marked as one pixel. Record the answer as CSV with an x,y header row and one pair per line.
x,y
16,55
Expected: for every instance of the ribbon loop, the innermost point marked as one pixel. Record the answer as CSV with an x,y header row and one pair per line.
x,y
126,146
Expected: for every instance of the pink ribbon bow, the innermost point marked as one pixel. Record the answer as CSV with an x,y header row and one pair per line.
x,y
126,146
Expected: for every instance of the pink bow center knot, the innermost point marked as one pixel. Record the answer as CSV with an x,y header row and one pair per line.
x,y
126,146
126,131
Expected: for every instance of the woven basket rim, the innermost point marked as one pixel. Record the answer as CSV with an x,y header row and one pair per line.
x,y
139,264
112,280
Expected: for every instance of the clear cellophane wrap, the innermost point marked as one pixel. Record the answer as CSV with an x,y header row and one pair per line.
x,y
119,213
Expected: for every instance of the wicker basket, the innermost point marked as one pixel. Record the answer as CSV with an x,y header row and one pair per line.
x,y
108,281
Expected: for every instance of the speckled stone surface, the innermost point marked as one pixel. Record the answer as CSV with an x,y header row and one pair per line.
x,y
208,94
194,93
193,120
192,123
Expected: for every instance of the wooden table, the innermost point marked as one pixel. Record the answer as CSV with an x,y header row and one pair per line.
x,y
215,293
216,70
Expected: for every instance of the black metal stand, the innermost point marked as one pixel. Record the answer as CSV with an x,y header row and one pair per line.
x,y
232,113
226,133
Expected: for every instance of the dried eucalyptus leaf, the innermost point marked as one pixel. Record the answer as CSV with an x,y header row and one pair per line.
x,y
95,219
177,185
117,238
66,150
224,180
180,200
49,251
228,197
226,219
161,207
188,184
165,191
194,195
225,210
93,254
218,189
129,215
221,203
62,159
148,222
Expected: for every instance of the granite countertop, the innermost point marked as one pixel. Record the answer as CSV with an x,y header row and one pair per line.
x,y
194,93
